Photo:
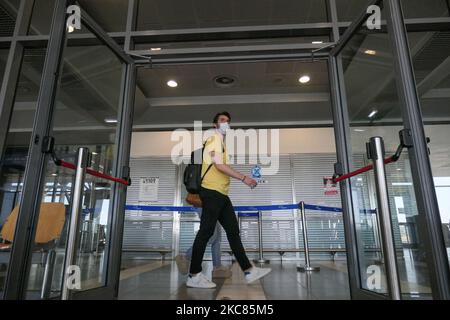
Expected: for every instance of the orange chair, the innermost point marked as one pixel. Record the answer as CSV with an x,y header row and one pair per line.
x,y
52,217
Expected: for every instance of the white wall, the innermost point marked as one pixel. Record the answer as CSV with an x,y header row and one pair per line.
x,y
309,140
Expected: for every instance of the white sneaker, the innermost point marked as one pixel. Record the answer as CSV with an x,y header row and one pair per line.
x,y
256,273
200,281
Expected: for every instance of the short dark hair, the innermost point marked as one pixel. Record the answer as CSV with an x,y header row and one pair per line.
x,y
223,113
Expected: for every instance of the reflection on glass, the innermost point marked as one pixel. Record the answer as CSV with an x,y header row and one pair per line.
x,y
41,17
374,109
179,14
425,9
349,10
433,83
12,164
8,16
3,58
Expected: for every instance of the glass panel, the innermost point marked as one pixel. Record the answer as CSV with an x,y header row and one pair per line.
x,y
111,15
263,93
12,164
425,9
86,115
8,16
374,109
3,59
431,61
41,17
180,14
348,10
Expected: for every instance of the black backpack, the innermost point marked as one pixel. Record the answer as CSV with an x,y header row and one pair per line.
x,y
193,173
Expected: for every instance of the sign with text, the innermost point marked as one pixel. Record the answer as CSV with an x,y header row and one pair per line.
x,y
148,189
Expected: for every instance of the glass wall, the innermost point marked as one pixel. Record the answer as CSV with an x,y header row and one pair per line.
x,y
431,60
14,157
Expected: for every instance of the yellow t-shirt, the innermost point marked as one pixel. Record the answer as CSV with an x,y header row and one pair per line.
x,y
214,179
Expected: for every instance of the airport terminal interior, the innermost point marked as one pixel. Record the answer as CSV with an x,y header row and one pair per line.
x,y
310,76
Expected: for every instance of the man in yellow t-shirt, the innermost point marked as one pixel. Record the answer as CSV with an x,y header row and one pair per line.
x,y
217,207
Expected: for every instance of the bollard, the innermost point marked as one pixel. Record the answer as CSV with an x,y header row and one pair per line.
x,y
307,266
260,259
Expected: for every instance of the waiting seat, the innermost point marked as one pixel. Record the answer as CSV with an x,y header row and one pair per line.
x,y
51,222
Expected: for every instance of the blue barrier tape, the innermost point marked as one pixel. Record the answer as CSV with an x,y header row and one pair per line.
x,y
236,208
160,208
322,208
248,214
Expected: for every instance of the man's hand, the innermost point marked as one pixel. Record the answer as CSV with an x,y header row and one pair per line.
x,y
250,182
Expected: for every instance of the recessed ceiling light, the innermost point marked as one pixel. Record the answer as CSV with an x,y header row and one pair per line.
x,y
370,52
317,42
304,79
360,130
155,49
172,83
373,113
54,174
109,120
224,81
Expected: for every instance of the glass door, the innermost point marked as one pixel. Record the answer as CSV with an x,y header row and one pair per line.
x,y
370,101
87,104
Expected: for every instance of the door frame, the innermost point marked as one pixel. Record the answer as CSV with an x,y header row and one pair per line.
x,y
427,204
17,277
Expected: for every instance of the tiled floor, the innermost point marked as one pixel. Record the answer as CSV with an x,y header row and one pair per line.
x,y
158,280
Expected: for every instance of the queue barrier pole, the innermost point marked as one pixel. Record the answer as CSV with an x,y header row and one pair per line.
x,y
260,259
307,266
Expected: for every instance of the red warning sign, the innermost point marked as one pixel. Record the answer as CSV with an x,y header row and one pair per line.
x,y
330,188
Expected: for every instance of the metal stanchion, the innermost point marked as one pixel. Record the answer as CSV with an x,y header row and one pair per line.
x,y
307,266
260,259
375,150
83,159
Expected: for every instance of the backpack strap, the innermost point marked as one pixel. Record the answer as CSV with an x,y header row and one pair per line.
x,y
209,167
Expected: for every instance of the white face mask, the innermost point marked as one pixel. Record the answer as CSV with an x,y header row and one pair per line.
x,y
224,127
